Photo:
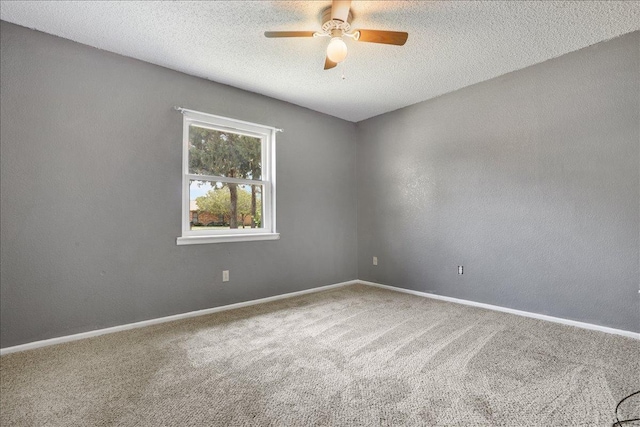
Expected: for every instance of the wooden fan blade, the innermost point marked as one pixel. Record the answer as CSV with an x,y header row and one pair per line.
x,y
328,64
340,10
273,34
397,38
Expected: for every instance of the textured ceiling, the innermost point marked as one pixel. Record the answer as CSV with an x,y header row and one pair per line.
x,y
451,44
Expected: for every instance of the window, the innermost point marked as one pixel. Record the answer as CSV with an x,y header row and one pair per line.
x,y
228,180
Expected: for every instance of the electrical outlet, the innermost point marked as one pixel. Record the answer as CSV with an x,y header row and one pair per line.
x,y
225,275
375,260
460,269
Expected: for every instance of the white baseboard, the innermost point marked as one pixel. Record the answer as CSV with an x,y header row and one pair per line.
x,y
509,310
98,332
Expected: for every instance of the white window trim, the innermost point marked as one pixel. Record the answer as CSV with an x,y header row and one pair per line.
x,y
268,136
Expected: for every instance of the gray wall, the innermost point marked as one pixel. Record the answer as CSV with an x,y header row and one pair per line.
x,y
529,180
91,180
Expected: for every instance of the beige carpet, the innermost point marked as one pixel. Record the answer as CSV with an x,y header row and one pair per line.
x,y
356,356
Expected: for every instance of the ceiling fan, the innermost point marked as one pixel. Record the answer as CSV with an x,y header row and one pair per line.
x,y
336,25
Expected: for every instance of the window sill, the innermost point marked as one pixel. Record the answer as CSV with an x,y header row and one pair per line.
x,y
199,240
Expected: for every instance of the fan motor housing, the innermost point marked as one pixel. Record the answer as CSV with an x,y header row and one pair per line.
x,y
328,24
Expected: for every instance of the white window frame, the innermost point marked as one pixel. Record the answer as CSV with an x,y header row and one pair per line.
x,y
267,135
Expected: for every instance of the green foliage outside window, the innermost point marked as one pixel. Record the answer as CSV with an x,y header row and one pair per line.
x,y
230,155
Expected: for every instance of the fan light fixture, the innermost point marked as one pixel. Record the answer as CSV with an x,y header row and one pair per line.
x,y
337,50
336,24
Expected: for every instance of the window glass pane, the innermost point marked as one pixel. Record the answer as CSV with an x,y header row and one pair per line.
x,y
223,153
212,205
